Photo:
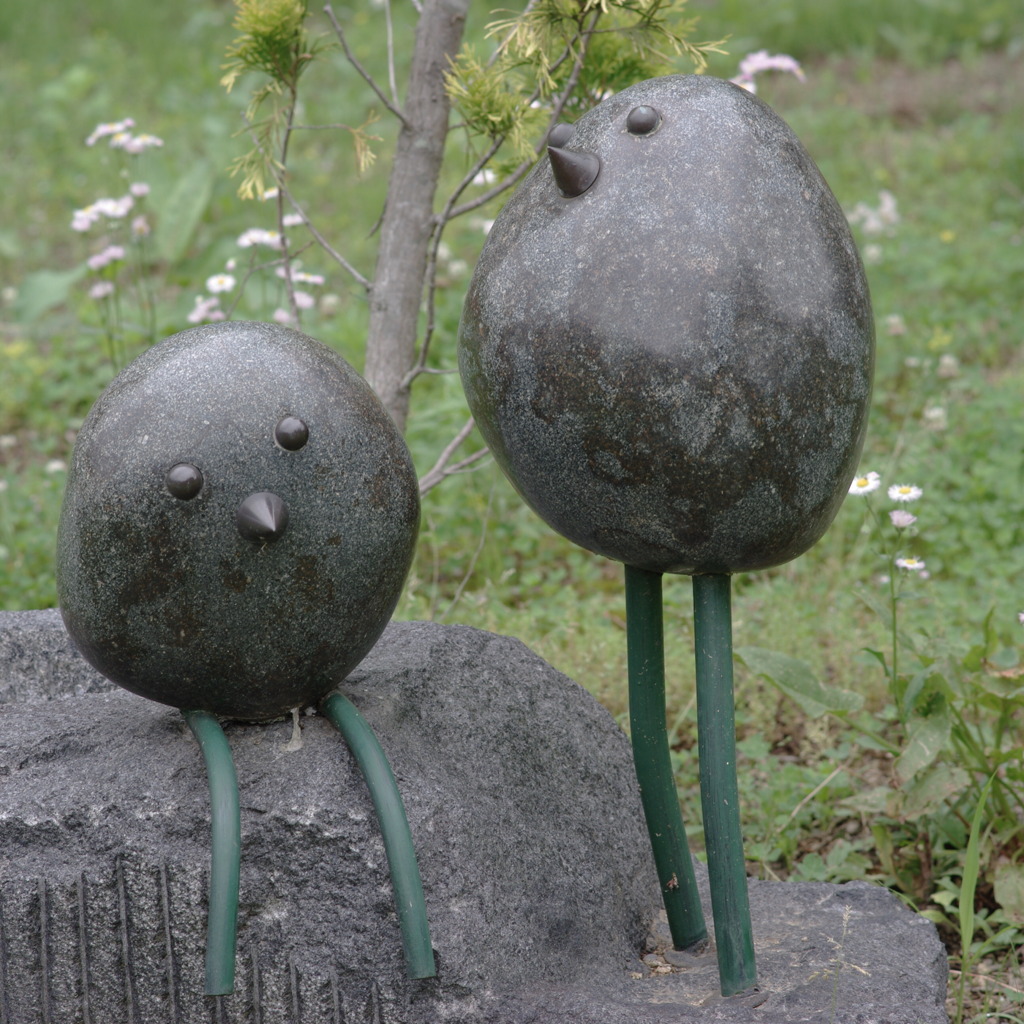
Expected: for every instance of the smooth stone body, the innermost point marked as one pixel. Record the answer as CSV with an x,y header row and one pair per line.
x,y
166,595
674,367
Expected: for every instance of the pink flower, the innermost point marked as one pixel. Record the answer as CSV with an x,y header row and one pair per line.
x,y
901,518
101,290
754,63
115,209
205,308
82,220
259,236
134,143
112,254
108,128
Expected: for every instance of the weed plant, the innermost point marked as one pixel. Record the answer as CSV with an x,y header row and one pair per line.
x,y
881,708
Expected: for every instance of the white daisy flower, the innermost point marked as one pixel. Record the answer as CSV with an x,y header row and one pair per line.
x,y
904,492
866,484
910,563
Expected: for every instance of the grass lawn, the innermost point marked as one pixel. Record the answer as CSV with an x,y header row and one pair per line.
x,y
918,125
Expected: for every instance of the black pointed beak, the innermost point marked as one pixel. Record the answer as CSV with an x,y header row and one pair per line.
x,y
575,170
262,516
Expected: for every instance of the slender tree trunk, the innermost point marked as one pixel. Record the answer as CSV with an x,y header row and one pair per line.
x,y
407,222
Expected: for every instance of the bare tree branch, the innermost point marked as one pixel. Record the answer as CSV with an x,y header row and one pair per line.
x,y
450,211
442,469
363,73
365,282
286,193
407,225
460,589
556,112
390,30
431,275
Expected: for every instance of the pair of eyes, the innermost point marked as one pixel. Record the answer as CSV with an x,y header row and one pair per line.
x,y
640,120
184,481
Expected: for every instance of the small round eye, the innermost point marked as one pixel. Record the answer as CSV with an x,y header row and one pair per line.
x,y
642,120
560,134
291,433
184,481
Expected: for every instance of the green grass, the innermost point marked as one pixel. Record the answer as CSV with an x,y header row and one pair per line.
x,y
922,100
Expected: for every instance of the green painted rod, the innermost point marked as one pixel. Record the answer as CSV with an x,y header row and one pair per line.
x,y
226,852
719,793
394,827
651,758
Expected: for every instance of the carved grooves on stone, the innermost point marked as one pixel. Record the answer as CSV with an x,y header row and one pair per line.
x,y
172,963
257,1004
122,942
126,949
293,977
83,949
336,999
5,1009
376,1013
44,953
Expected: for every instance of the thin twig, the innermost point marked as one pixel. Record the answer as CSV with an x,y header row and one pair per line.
x,y
390,29
472,562
451,211
493,59
817,789
286,256
365,282
363,73
430,274
321,241
328,127
441,468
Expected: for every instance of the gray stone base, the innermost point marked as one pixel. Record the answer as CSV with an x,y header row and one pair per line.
x,y
524,811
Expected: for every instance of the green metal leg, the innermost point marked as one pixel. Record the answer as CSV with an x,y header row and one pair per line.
x,y
225,857
646,659
394,826
716,732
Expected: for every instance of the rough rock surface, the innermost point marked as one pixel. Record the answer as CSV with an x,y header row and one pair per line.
x,y
523,807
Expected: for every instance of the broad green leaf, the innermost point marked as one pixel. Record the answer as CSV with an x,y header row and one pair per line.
x,y
179,215
796,679
44,290
884,847
927,735
873,801
969,881
878,656
929,790
1006,687
1009,889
